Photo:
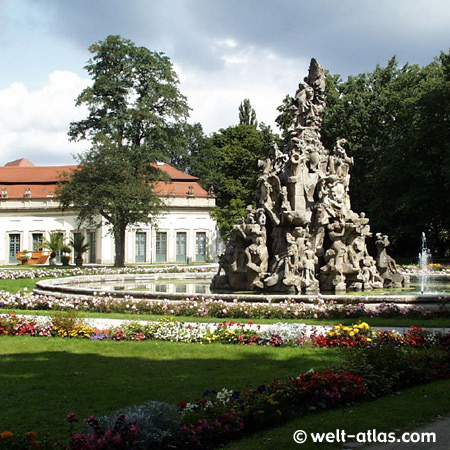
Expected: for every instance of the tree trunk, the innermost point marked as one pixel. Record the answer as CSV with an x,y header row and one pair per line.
x,y
119,242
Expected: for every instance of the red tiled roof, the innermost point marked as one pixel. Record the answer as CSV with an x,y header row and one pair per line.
x,y
173,173
42,181
22,162
32,175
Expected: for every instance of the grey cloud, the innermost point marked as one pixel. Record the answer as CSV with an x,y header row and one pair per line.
x,y
347,37
158,25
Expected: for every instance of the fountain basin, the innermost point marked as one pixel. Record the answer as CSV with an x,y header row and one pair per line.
x,y
119,286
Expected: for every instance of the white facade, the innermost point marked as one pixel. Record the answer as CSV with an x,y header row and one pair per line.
x,y
184,233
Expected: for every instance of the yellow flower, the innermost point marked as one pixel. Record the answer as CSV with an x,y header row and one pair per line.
x,y
6,435
31,435
35,444
351,333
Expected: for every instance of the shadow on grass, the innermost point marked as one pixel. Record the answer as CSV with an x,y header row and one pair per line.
x,y
42,380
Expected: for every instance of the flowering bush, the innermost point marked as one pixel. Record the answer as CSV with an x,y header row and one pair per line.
x,y
69,325
124,434
15,326
226,414
287,334
345,336
417,337
159,423
232,333
207,434
388,368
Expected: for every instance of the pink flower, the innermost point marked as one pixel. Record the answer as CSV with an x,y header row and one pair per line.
x,y
117,439
71,418
109,434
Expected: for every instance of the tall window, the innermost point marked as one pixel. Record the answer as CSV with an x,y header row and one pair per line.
x,y
181,246
200,246
161,246
14,247
141,247
37,239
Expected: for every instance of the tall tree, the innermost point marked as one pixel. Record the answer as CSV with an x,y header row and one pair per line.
x,y
187,141
134,108
228,162
247,115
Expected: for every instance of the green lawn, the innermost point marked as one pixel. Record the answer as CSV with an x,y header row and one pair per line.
x,y
14,286
43,379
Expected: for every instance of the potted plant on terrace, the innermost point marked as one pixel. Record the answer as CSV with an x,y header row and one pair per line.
x,y
54,244
65,255
25,256
79,247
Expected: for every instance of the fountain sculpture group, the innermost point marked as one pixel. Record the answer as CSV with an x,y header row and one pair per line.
x,y
303,236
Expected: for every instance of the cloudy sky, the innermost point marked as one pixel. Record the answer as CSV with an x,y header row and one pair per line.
x,y
223,51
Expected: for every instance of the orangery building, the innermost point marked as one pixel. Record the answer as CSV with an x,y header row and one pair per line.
x,y
29,212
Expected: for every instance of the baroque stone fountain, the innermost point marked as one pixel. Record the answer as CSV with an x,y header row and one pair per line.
x,y
303,236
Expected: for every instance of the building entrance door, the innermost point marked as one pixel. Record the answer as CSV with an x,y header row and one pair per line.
x,y
200,246
161,247
14,247
181,247
141,247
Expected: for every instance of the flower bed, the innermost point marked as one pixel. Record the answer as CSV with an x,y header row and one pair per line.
x,y
289,309
54,272
68,325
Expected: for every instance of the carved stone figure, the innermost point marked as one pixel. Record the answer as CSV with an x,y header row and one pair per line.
x,y
303,234
385,264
